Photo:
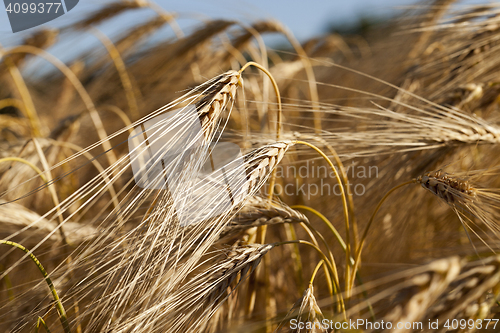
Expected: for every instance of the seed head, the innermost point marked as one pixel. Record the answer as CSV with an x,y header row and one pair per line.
x,y
262,161
217,97
449,188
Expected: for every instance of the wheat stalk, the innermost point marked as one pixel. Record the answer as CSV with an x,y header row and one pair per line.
x,y
59,306
122,71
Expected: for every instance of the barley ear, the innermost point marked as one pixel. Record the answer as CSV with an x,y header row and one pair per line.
x,y
307,311
217,97
451,189
262,161
257,212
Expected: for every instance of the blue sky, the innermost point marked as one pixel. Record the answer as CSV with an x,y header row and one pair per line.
x,y
304,18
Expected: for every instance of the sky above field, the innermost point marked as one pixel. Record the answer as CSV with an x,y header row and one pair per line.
x,y
304,18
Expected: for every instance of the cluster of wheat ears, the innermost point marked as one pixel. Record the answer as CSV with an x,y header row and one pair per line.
x,y
370,188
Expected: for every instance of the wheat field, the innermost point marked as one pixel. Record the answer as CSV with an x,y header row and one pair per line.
x,y
210,182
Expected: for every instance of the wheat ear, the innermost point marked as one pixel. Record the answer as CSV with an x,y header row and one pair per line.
x,y
262,161
94,115
216,98
305,310
461,195
448,187
197,300
29,106
257,212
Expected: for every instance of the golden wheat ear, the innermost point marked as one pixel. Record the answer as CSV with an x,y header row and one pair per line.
x,y
189,308
305,311
262,161
257,212
457,191
475,206
42,39
218,96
